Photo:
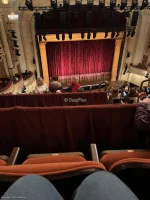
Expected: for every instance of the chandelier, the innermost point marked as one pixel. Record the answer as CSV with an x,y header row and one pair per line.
x,y
5,1
13,16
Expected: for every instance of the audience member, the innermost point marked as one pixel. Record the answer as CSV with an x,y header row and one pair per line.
x,y
142,121
74,85
55,84
41,87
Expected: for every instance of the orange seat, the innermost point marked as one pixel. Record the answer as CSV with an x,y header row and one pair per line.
x,y
54,159
113,156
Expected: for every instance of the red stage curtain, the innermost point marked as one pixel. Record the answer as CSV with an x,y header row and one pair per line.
x,y
80,57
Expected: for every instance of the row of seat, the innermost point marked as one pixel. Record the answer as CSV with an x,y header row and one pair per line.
x,y
129,165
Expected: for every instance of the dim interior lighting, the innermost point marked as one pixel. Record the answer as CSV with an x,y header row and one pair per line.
x,y
13,16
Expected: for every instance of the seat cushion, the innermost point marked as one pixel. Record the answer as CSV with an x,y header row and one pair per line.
x,y
54,159
2,162
55,154
108,159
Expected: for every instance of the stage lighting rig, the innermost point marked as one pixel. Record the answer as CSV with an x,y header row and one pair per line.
x,y
117,34
70,36
133,33
123,4
66,3
88,35
112,4
101,3
106,34
134,4
29,4
44,37
94,34
90,3
113,34
63,36
54,4
57,36
82,35
78,3
128,34
144,4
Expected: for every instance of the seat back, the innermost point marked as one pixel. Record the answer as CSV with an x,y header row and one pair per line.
x,y
135,173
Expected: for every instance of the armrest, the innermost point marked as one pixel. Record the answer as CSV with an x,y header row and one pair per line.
x,y
14,156
94,153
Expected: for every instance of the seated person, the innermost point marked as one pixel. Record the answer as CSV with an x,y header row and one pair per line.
x,y
41,87
142,121
80,89
55,84
74,85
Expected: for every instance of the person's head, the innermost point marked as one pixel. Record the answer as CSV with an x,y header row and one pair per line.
x,y
75,79
132,92
40,81
58,92
115,92
55,78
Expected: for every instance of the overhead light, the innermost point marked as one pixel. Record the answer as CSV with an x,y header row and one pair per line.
x,y
117,34
128,34
29,4
113,34
144,4
57,36
101,3
133,33
134,4
70,36
112,4
5,1
54,4
63,36
88,35
123,4
82,35
13,16
94,34
106,34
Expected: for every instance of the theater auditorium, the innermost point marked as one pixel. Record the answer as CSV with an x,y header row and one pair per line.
x,y
75,99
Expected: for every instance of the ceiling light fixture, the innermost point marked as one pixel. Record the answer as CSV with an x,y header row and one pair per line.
x,y
13,16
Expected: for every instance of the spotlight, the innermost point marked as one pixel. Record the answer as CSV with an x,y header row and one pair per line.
x,y
101,3
57,36
63,36
117,34
106,34
88,35
90,3
133,33
128,34
29,5
70,36
66,3
82,35
113,34
112,4
54,4
17,53
144,4
40,38
44,37
94,34
123,4
134,4
78,3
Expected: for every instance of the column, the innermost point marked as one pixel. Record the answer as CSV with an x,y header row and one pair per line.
x,y
116,59
42,46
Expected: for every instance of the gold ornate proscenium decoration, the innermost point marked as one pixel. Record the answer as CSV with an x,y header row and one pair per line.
x,y
77,37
